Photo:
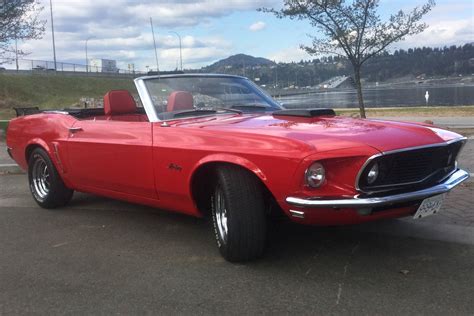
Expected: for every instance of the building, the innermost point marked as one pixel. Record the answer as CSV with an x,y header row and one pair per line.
x,y
103,65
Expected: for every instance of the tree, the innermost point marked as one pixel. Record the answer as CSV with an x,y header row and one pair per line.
x,y
19,20
353,29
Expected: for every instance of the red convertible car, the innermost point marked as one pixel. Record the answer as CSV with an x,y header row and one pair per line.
x,y
218,145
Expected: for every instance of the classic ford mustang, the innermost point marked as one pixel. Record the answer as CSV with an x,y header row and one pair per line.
x,y
218,145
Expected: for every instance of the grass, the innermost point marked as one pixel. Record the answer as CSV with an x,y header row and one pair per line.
x,y
3,128
420,111
53,91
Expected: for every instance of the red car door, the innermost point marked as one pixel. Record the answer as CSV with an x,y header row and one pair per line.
x,y
112,155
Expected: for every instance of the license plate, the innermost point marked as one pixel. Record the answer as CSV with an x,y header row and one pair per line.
x,y
430,206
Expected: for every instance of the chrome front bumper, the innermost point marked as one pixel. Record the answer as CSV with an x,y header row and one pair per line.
x,y
455,179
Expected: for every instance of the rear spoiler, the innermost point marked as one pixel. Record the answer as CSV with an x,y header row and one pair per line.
x,y
26,111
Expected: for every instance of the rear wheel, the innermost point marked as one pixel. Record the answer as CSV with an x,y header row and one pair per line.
x,y
238,214
46,186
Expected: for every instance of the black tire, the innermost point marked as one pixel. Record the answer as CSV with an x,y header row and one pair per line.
x,y
46,185
242,197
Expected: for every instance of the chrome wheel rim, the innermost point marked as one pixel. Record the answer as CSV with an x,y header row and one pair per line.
x,y
41,178
221,215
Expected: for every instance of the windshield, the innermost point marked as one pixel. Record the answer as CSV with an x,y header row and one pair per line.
x,y
188,96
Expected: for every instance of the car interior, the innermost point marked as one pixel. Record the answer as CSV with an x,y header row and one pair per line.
x,y
119,105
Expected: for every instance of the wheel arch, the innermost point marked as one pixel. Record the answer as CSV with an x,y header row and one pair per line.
x,y
201,184
37,143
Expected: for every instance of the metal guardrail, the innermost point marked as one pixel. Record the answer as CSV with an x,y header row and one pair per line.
x,y
44,66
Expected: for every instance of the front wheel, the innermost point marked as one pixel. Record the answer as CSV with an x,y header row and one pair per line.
x,y
46,185
238,214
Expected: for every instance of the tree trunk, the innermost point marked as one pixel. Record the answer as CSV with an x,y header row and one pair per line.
x,y
360,97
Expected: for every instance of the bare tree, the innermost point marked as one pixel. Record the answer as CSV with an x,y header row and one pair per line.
x,y
353,29
19,20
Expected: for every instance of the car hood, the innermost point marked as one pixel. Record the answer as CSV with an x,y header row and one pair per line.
x,y
329,132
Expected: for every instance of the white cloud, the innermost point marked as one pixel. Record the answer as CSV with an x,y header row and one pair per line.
x,y
449,24
289,54
139,50
442,33
77,14
121,30
257,26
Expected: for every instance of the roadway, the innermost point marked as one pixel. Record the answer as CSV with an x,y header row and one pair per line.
x,y
99,256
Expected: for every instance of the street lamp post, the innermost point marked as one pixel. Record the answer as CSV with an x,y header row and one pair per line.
x,y
87,56
180,49
52,31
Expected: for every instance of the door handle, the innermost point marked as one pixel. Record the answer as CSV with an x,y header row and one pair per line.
x,y
73,130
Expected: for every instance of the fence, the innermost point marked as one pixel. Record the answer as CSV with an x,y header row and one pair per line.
x,y
43,66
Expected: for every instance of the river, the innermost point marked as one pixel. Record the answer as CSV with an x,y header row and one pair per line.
x,y
447,95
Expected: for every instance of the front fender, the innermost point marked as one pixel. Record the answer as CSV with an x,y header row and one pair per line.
x,y
232,159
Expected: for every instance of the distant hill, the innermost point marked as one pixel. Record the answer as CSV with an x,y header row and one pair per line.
x,y
414,64
238,62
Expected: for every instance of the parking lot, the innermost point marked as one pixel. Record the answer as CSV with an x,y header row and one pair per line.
x,y
99,256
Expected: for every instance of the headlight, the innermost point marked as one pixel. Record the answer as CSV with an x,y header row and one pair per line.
x,y
315,175
373,174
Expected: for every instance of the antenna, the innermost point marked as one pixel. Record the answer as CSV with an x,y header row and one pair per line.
x,y
154,43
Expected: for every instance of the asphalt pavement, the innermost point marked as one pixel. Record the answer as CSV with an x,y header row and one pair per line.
x,y
98,256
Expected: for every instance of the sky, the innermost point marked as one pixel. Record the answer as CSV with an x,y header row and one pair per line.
x,y
210,30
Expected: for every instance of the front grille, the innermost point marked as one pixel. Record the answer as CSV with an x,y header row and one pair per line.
x,y
420,167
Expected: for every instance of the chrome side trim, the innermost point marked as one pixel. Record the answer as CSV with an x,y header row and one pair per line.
x,y
455,179
146,100
396,151
56,112
297,214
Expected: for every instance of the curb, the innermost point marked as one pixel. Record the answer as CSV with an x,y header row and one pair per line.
x,y
10,169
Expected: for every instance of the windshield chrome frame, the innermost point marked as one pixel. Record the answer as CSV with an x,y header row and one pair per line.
x,y
148,102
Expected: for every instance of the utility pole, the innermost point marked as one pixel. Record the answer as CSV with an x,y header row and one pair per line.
x,y
154,43
16,54
52,30
180,50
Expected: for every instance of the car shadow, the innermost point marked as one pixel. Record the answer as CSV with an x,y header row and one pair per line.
x,y
287,241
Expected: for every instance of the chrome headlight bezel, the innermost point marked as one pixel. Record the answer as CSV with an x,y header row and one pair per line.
x,y
315,175
373,174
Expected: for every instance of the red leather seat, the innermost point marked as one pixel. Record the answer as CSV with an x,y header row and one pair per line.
x,y
180,100
118,102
